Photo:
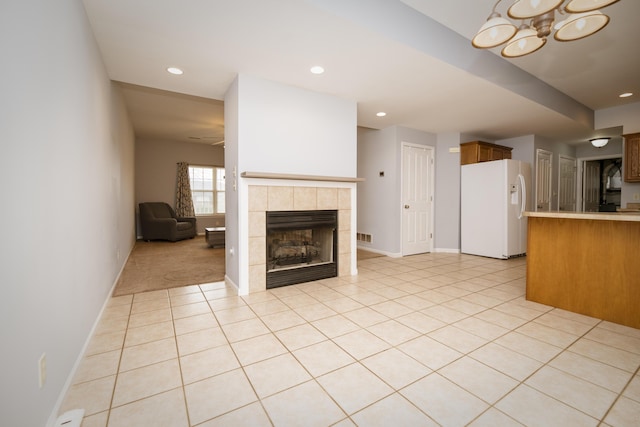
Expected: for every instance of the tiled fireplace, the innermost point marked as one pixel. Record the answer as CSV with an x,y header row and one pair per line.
x,y
287,198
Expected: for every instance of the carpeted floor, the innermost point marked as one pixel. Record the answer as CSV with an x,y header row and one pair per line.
x,y
162,265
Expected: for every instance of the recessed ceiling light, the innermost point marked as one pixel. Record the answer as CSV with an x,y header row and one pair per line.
x,y
317,69
174,70
626,95
381,114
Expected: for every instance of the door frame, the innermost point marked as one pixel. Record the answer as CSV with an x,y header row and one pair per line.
x,y
431,183
581,160
575,177
540,151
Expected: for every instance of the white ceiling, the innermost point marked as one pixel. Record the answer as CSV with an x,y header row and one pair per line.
x,y
387,55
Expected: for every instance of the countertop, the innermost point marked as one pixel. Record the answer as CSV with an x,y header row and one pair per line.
x,y
603,216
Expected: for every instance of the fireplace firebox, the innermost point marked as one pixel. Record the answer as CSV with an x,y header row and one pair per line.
x,y
302,246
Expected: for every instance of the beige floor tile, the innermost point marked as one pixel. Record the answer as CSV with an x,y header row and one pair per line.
x,y
200,340
493,418
603,353
393,332
105,342
251,415
233,315
509,362
306,405
569,326
186,299
300,336
96,420
150,317
97,366
414,302
575,392
484,382
625,412
481,328
547,334
151,295
263,308
430,352
148,333
365,316
614,339
335,326
276,374
457,339
115,311
188,310
343,304
148,353
360,344
391,309
182,290
394,410
354,387
315,311
244,329
259,348
396,368
501,319
218,395
444,401
207,363
323,357
112,326
194,323
598,373
166,408
528,346
93,396
282,320
633,389
619,329
226,303
146,381
150,305
531,407
420,322
444,314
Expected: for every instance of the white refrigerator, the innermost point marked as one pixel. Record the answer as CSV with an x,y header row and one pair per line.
x,y
494,196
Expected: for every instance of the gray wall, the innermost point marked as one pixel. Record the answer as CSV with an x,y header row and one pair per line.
x,y
156,172
67,174
379,197
447,193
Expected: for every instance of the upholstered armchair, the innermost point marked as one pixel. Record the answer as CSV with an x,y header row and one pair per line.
x,y
158,221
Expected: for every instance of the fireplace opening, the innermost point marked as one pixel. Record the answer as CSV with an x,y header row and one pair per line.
x,y
301,246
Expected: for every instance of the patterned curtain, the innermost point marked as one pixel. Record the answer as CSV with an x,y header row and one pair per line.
x,y
184,202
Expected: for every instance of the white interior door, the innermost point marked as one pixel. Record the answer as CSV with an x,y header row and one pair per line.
x,y
417,199
591,186
567,183
543,180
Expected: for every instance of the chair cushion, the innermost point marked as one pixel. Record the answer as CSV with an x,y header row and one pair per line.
x,y
184,226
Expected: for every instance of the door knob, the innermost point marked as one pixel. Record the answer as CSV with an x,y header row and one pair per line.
x,y
406,206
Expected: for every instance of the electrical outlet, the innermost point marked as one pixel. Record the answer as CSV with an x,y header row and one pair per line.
x,y
636,196
42,370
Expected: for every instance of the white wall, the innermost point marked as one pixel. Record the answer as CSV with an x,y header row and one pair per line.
x,y
67,183
156,172
275,128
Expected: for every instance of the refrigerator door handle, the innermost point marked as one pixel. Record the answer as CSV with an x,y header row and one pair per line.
x,y
523,196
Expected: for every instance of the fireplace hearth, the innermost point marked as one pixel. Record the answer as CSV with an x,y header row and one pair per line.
x,y
301,246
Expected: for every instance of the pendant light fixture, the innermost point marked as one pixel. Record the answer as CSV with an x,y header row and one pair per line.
x,y
581,19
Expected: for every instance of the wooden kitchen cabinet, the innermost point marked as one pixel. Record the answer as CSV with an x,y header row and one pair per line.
x,y
632,157
479,151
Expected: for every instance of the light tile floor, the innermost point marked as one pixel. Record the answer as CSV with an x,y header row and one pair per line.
x,y
426,340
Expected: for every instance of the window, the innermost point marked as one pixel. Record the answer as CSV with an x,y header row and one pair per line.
x,y
207,189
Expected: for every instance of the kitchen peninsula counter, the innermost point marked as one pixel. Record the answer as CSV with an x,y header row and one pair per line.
x,y
586,262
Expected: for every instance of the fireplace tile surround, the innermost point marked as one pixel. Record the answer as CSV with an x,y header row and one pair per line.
x,y
263,198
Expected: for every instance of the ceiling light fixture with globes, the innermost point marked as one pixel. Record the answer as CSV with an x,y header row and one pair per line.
x,y
577,19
